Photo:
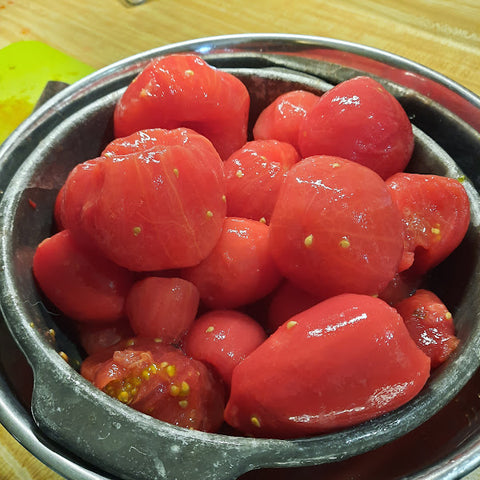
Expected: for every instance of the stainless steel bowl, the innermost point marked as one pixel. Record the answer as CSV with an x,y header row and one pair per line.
x,y
84,434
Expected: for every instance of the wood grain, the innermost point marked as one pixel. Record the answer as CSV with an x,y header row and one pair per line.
x,y
440,34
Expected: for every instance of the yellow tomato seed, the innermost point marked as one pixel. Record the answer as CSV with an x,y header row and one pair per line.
x,y
255,421
344,243
308,240
184,388
291,324
171,370
123,397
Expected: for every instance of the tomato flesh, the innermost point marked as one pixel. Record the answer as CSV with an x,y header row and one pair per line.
x,y
161,381
430,324
435,214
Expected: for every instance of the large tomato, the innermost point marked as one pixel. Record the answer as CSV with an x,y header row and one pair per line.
x,y
184,91
359,120
344,361
153,201
335,228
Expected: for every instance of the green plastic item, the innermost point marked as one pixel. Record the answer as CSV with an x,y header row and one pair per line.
x,y
25,69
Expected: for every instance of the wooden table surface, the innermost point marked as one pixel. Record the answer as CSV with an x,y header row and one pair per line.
x,y
443,35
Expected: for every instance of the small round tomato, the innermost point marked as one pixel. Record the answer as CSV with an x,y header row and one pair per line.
x,y
430,324
239,270
254,175
83,284
161,381
335,228
222,339
162,308
154,201
281,120
359,120
435,214
184,91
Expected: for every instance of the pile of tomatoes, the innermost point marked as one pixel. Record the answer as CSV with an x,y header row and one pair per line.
x,y
266,282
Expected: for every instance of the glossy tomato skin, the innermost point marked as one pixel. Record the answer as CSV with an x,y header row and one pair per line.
x,y
430,325
161,381
184,91
154,201
335,228
361,121
239,270
83,284
162,308
222,339
435,214
254,175
282,119
340,363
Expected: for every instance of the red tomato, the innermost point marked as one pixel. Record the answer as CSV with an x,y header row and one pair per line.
x,y
222,339
184,91
97,337
254,175
80,282
154,201
361,121
161,381
240,269
340,363
430,324
287,301
435,213
281,120
162,308
335,228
